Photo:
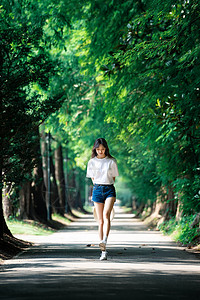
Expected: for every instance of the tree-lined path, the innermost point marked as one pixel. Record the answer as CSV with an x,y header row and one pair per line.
x,y
72,71
65,265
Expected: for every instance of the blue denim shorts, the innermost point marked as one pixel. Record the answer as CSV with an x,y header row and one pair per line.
x,y
102,192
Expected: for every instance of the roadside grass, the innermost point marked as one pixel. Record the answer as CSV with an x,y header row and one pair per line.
x,y
63,220
181,231
88,208
127,210
30,227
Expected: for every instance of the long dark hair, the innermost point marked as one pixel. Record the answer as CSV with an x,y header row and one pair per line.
x,y
97,143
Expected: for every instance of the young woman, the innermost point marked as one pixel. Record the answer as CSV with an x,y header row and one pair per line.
x,y
102,169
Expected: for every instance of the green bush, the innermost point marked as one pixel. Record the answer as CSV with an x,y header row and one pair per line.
x,y
181,231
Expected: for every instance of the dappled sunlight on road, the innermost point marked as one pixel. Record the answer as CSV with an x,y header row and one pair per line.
x,y
139,260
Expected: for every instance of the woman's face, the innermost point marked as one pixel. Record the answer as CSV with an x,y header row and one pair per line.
x,y
100,151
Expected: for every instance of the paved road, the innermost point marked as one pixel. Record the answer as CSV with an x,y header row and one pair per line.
x,y
142,264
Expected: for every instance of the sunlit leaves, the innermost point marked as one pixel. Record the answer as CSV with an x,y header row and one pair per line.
x,y
151,60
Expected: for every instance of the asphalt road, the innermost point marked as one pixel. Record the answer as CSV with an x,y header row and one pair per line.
x,y
142,264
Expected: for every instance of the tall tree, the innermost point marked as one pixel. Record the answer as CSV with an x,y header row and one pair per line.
x,y
27,69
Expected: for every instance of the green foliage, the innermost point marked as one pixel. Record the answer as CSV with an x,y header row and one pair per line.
x,y
124,193
143,104
127,71
27,73
150,58
181,231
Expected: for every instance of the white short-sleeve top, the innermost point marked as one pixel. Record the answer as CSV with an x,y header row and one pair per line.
x,y
102,170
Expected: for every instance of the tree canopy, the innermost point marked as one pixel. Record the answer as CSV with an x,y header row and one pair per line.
x,y
150,57
127,71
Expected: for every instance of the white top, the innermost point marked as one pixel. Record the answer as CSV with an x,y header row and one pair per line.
x,y
102,170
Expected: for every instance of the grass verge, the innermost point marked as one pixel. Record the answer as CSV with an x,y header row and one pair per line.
x,y
30,227
181,231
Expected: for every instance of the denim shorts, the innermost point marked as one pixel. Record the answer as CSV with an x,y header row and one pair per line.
x,y
102,192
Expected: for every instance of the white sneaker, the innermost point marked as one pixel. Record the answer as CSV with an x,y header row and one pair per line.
x,y
103,255
102,245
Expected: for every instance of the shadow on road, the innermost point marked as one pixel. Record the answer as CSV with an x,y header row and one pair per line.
x,y
65,265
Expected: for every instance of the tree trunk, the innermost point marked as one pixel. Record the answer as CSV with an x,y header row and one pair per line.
x,y
1,175
60,178
46,169
179,210
72,199
7,204
159,208
170,207
1,204
38,186
32,194
79,202
44,156
140,209
3,226
25,202
76,187
171,204
54,193
38,191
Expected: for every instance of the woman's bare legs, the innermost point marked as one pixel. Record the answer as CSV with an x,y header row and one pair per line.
x,y
109,203
103,212
99,211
